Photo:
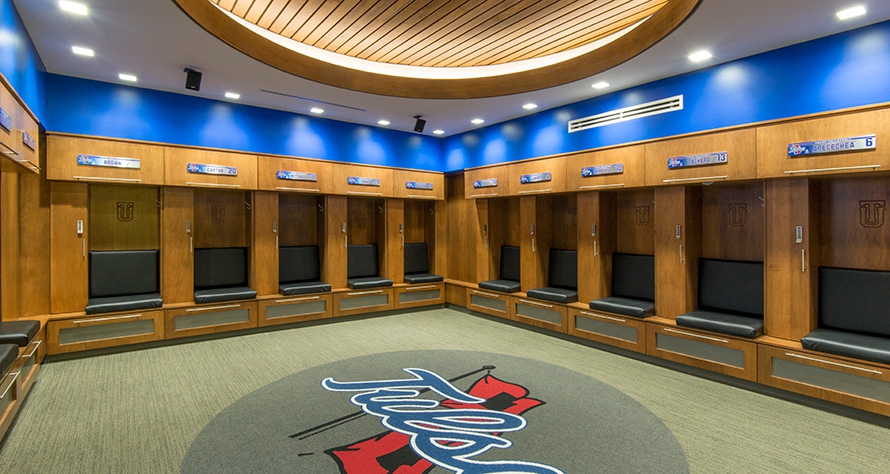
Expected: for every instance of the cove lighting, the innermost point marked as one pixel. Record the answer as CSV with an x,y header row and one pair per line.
x,y
530,106
127,77
853,12
233,95
700,56
83,51
438,132
477,121
73,7
600,85
316,110
383,122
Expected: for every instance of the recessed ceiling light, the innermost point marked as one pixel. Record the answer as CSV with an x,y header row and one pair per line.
x,y
127,77
700,56
477,121
83,51
233,95
383,122
316,110
438,132
73,7
530,106
853,12
600,85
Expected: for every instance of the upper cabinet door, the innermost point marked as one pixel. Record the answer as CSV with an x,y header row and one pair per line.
x,y
103,161
358,180
18,134
538,177
722,156
487,182
418,185
296,175
209,169
838,144
607,169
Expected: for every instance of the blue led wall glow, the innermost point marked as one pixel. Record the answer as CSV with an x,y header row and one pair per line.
x,y
19,61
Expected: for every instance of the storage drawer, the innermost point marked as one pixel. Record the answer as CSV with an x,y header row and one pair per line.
x,y
418,185
210,319
721,156
293,309
111,330
9,400
612,329
715,352
103,161
420,295
362,301
538,313
209,169
294,175
27,366
840,380
608,169
355,180
495,304
538,177
487,182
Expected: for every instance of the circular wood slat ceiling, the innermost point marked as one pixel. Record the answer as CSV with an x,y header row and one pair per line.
x,y
443,34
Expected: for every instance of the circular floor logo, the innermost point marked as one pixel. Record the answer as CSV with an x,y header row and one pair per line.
x,y
418,412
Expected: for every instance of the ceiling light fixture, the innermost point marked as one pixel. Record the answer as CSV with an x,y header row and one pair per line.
x,y
600,85
530,106
316,110
233,95
83,51
852,12
383,122
700,56
438,132
73,7
477,121
127,77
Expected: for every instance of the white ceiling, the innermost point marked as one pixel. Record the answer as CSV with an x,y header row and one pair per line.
x,y
155,41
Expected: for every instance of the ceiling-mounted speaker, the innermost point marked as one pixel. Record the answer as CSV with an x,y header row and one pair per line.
x,y
192,79
419,124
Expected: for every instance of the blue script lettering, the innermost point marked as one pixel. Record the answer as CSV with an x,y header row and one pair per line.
x,y
448,438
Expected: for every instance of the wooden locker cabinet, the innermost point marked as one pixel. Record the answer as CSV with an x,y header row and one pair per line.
x,y
489,182
542,314
264,242
413,296
358,180
773,142
211,318
66,157
29,139
490,302
294,175
295,309
597,235
623,167
740,159
69,237
612,329
409,184
677,249
715,352
525,178
180,164
19,149
347,303
177,245
84,333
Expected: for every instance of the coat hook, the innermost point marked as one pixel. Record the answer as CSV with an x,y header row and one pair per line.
x,y
247,204
320,208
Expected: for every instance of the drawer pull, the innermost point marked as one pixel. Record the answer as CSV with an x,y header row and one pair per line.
x,y
418,196
212,308
307,298
97,178
490,295
535,303
838,364
34,351
418,288
375,292
602,186
110,318
536,191
212,185
15,376
302,190
361,193
840,168
603,316
483,195
690,334
686,180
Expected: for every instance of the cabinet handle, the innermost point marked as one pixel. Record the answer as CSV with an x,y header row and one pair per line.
x,y
418,196
376,292
838,364
803,260
292,300
490,295
403,241
602,186
33,351
709,338
212,185
483,195
681,253
533,245
686,180
486,241
110,318
276,242
536,191
212,308
602,316
418,288
15,377
840,168
97,178
534,303
595,252
299,190
361,193
83,247
191,245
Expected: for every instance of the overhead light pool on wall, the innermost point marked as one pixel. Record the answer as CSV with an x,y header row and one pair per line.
x,y
852,12
73,7
83,51
127,77
700,56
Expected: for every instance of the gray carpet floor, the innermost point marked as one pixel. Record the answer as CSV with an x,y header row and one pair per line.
x,y
139,411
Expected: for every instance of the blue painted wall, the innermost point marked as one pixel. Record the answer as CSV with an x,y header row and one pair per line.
x,y
840,71
19,61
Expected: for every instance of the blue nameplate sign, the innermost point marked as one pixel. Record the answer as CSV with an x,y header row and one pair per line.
x,y
600,170
362,181
5,120
534,178
297,176
212,169
697,160
485,183
108,161
837,145
29,141
418,185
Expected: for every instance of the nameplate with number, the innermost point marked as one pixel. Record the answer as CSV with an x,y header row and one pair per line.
x,y
485,183
297,176
601,170
357,181
534,178
837,145
418,185
109,161
199,168
703,159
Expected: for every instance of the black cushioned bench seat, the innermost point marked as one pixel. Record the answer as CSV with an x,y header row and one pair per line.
x,y
417,268
556,295
508,281
361,267
20,333
123,280
730,298
633,286
732,324
8,354
221,275
624,306
562,278
298,271
215,295
850,344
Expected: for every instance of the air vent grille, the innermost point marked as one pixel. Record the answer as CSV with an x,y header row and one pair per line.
x,y
661,106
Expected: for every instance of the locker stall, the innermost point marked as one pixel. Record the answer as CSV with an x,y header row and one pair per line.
x,y
420,282
501,229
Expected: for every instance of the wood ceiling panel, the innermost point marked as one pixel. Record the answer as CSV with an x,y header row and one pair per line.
x,y
289,13
366,27
276,7
418,29
360,19
404,20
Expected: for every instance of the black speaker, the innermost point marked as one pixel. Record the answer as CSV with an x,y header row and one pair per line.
x,y
419,124
192,80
